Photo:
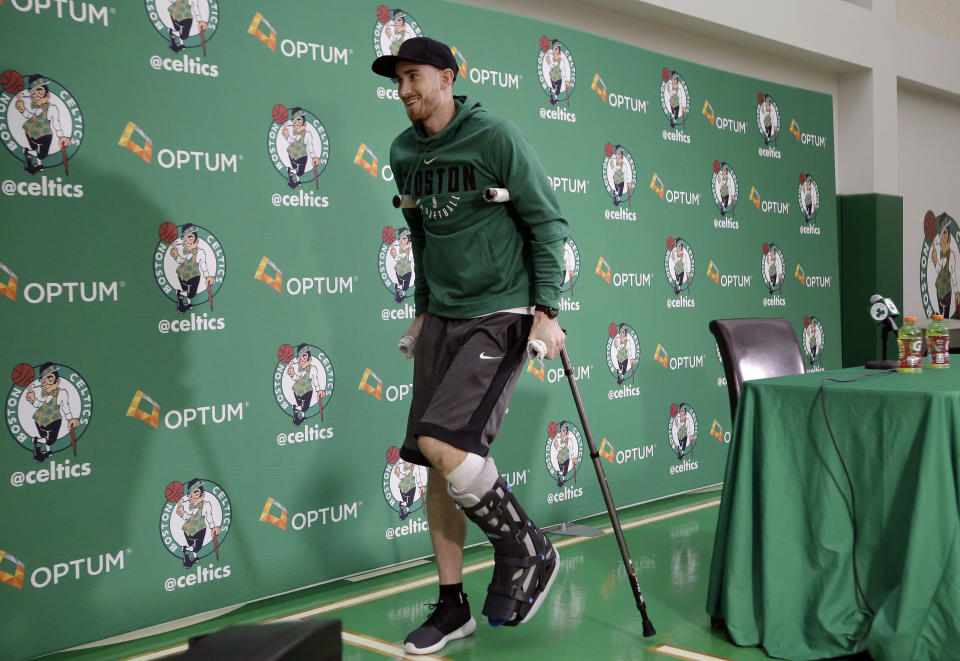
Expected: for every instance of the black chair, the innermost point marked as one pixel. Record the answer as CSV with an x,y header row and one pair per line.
x,y
755,349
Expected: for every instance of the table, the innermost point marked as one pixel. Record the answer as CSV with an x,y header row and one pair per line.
x,y
782,574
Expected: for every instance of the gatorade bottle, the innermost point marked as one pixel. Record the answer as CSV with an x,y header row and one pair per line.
x,y
938,343
909,340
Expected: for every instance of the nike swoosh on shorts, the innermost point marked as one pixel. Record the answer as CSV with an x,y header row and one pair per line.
x,y
484,356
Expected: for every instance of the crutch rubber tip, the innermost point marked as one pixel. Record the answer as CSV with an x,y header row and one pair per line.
x,y
396,202
648,629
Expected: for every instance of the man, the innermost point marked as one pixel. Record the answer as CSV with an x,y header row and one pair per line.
x,y
559,73
191,266
306,381
679,268
724,185
398,34
811,335
53,407
561,443
773,268
619,175
810,199
673,92
408,485
402,265
682,431
41,125
946,282
626,354
488,281
182,13
769,121
197,518
299,147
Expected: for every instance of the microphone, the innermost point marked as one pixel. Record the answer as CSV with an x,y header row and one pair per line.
x,y
883,310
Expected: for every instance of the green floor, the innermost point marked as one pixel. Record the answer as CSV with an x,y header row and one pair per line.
x,y
589,614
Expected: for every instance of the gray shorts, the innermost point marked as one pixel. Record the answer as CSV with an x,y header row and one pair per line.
x,y
464,373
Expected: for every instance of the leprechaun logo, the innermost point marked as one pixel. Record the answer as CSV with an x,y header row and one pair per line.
x,y
771,267
49,408
395,262
808,193
682,429
619,173
195,519
939,270
40,121
812,339
623,351
393,27
768,118
298,145
679,264
404,484
725,189
557,71
674,98
563,451
571,266
188,265
302,381
184,23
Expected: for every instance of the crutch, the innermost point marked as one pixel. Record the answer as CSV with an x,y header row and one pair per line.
x,y
536,349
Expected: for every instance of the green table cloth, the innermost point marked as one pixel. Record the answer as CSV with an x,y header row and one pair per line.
x,y
783,572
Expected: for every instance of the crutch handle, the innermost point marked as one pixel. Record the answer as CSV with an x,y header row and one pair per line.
x,y
536,350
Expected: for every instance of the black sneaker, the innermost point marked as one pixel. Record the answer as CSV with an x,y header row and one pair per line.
x,y
448,621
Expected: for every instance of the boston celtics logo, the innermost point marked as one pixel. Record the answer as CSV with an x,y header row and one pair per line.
x,y
393,27
723,183
298,145
674,98
563,451
682,429
619,173
808,194
939,269
40,121
195,519
571,266
395,262
768,118
184,23
556,69
189,265
404,484
302,381
679,264
48,408
812,339
771,267
623,351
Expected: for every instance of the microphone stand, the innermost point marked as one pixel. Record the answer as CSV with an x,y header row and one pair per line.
x,y
888,325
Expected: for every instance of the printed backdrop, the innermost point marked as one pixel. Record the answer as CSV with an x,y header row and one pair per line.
x,y
204,282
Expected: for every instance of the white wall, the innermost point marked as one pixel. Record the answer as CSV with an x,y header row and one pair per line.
x,y
892,66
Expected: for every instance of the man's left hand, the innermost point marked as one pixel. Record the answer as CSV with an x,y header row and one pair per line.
x,y
548,331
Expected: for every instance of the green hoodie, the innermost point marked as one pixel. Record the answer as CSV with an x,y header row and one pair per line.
x,y
472,257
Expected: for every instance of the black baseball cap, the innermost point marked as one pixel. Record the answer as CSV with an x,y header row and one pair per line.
x,y
423,50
